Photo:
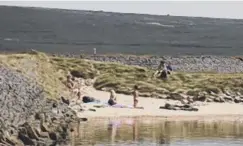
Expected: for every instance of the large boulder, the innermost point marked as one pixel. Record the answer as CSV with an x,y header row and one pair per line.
x,y
177,96
19,97
82,74
24,111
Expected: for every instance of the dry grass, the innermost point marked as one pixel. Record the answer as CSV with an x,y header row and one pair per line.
x,y
49,72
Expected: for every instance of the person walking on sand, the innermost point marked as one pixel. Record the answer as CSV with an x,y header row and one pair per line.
x,y
135,96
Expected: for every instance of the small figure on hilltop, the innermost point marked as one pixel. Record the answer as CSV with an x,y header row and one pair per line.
x,y
162,70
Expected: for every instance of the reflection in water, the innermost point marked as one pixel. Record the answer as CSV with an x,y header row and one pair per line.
x,y
131,132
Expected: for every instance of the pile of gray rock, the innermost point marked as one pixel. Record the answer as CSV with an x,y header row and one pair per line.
x,y
185,107
186,102
29,118
222,64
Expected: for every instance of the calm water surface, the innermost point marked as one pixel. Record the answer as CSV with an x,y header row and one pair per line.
x,y
153,132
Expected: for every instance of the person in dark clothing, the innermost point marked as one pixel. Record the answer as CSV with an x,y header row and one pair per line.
x,y
111,102
164,74
87,99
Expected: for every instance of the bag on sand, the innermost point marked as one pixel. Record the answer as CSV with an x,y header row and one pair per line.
x,y
87,99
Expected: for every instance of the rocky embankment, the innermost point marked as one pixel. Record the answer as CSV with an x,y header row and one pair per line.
x,y
222,64
29,118
187,102
181,63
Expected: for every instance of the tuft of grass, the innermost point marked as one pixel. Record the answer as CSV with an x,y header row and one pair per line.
x,y
49,71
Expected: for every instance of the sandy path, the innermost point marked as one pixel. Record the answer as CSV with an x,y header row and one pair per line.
x,y
151,108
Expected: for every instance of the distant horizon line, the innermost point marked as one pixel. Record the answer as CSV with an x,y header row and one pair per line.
x,y
134,13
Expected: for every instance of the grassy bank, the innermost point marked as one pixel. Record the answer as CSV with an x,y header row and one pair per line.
x,y
51,71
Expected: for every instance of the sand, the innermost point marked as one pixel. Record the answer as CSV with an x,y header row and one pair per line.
x,y
224,111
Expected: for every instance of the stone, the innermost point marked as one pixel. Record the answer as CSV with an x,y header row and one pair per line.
x,y
237,99
190,99
228,93
209,100
213,93
184,101
66,101
77,74
228,98
53,136
54,105
25,139
185,107
93,110
176,96
31,132
83,119
14,141
44,127
219,99
41,134
202,97
238,93
89,82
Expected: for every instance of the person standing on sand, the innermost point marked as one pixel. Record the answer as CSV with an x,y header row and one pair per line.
x,y
135,96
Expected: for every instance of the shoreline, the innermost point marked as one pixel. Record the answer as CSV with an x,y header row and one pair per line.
x,y
207,111
178,118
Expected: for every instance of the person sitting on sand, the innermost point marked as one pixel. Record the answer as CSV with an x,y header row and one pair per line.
x,y
113,100
70,84
73,84
135,96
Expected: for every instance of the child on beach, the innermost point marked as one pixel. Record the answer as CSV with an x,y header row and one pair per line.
x,y
135,98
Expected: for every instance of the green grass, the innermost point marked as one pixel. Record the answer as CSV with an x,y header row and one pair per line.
x,y
50,72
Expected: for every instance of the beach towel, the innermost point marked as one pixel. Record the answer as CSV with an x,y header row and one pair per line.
x,y
121,106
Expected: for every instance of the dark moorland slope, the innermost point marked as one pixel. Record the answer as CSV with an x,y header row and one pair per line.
x,y
61,31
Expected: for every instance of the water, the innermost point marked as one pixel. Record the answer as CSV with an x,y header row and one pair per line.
x,y
78,32
151,132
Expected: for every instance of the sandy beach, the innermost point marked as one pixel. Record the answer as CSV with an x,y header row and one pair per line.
x,y
213,111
